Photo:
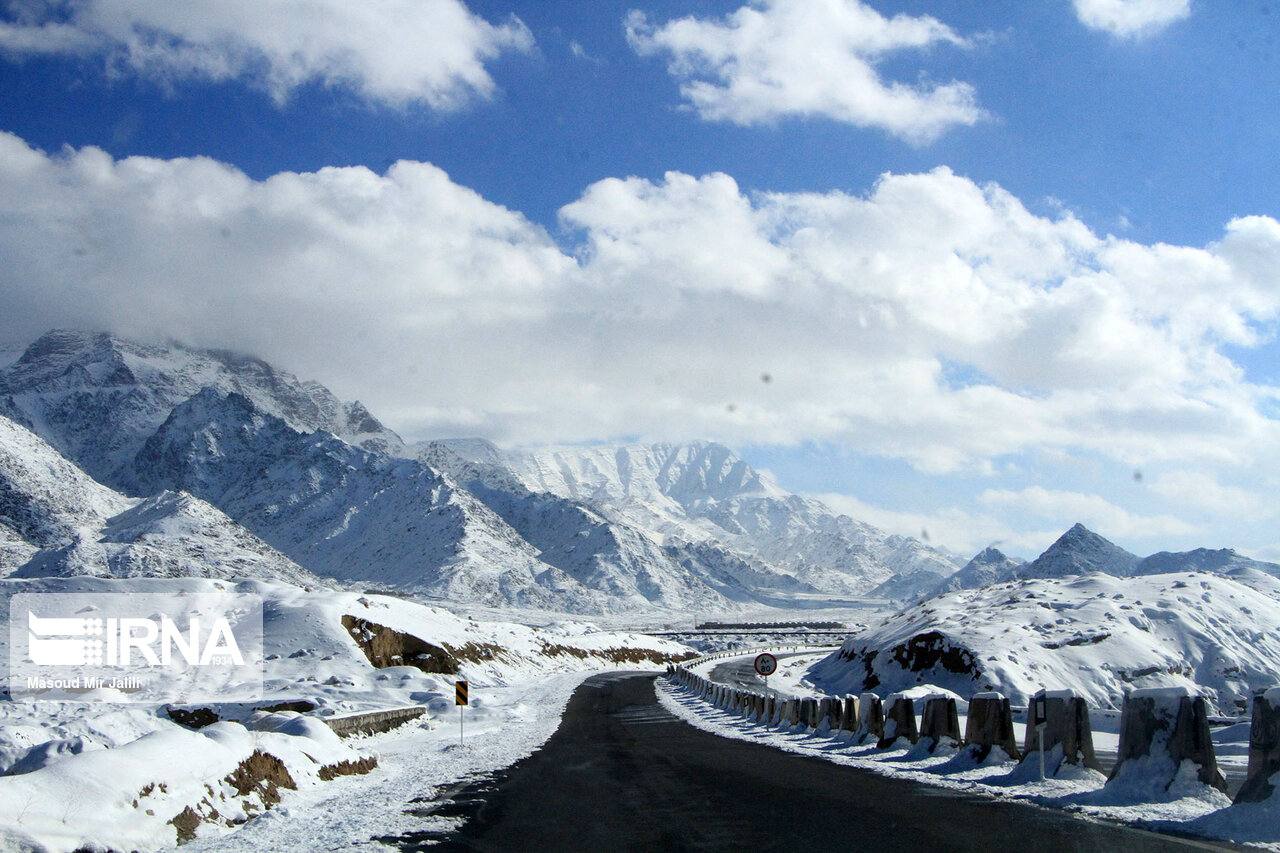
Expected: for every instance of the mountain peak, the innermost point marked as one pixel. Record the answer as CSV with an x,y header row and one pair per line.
x,y
1080,551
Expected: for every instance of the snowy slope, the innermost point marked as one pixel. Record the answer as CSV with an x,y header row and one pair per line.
x,y
58,521
97,398
348,512
44,499
1096,634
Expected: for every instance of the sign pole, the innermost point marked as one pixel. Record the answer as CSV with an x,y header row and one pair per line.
x,y
460,699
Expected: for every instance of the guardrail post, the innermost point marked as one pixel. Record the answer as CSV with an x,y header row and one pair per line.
x,y
1264,748
1067,724
849,719
899,721
870,718
1180,716
990,725
940,721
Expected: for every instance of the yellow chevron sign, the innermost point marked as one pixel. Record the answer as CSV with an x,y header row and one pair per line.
x,y
461,698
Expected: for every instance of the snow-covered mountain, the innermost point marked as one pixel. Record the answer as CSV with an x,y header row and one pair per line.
x,y
97,398
1097,634
990,565
56,521
701,492
578,529
1080,551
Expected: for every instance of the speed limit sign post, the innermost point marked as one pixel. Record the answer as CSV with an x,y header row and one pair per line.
x,y
766,665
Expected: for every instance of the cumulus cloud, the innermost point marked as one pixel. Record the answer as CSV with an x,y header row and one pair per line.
x,y
930,319
1131,18
962,530
1094,511
389,51
778,58
1203,491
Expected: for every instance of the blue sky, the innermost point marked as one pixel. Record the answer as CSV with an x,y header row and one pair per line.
x,y
1007,265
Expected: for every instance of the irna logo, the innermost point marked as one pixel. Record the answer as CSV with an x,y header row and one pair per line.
x,y
179,646
72,641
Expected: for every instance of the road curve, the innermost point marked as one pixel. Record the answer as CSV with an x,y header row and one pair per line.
x,y
623,774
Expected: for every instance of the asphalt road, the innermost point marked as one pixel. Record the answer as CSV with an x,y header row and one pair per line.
x,y
622,774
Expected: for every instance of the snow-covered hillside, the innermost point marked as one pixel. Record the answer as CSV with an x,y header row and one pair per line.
x,y
675,527
55,520
1097,634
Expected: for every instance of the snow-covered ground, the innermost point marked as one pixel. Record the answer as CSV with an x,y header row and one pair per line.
x,y
125,776
418,765
1187,806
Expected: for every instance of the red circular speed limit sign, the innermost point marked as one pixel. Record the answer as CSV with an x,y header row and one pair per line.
x,y
766,664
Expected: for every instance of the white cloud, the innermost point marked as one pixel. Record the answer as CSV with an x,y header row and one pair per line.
x,y
961,530
1131,18
779,58
389,51
1203,491
1094,511
931,319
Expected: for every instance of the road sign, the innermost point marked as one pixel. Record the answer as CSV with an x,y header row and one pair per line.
x,y
1038,716
461,698
766,664
1039,709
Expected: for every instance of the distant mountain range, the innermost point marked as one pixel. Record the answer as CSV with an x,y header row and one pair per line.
x,y
124,458
1080,551
325,485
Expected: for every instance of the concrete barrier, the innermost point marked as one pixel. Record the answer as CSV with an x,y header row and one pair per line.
x,y
899,721
1170,723
849,719
870,718
1264,748
373,721
940,721
831,712
990,725
815,716
1067,724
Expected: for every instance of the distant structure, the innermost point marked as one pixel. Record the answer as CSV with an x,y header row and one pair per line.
x,y
769,626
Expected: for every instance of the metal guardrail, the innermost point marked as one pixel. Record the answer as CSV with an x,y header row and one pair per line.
x,y
738,653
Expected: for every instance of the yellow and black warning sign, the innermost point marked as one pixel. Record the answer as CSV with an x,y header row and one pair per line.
x,y
461,698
